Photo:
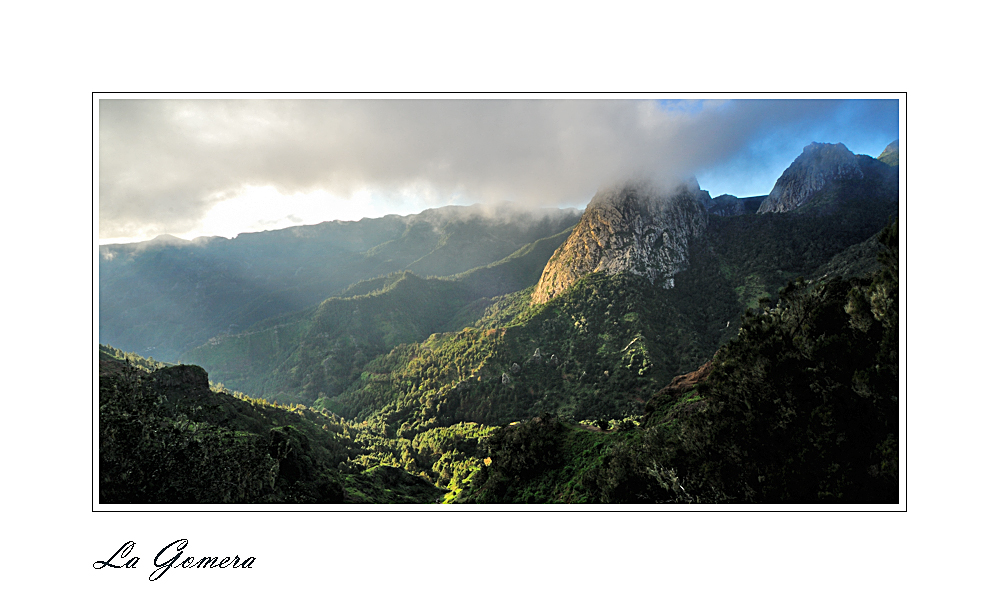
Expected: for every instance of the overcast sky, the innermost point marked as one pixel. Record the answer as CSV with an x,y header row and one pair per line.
x,y
222,167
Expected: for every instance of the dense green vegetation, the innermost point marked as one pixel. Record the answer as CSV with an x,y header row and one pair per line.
x,y
165,437
389,485
315,354
802,406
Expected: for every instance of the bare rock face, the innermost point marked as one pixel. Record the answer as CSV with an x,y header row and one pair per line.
x,y
635,228
819,164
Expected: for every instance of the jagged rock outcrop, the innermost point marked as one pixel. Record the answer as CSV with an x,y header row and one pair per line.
x,y
636,228
819,164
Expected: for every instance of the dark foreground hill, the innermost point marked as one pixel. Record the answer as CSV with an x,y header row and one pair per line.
x,y
167,438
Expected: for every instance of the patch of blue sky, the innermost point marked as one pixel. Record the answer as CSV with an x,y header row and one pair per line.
x,y
865,126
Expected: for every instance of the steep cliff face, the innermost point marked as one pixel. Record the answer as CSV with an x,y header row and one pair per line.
x,y
819,164
636,228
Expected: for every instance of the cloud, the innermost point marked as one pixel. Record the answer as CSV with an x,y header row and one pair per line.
x,y
165,163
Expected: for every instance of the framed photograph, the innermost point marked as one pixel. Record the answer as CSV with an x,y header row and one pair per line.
x,y
500,303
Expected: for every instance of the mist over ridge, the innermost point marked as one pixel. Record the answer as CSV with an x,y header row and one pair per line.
x,y
166,295
165,164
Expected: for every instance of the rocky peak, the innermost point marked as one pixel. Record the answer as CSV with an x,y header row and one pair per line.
x,y
633,227
819,164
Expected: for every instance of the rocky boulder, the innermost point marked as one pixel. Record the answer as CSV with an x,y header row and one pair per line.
x,y
181,378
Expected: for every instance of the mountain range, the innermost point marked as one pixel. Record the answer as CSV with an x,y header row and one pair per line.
x,y
168,295
500,355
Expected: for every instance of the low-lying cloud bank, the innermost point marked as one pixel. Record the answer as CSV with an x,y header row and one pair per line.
x,y
165,163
